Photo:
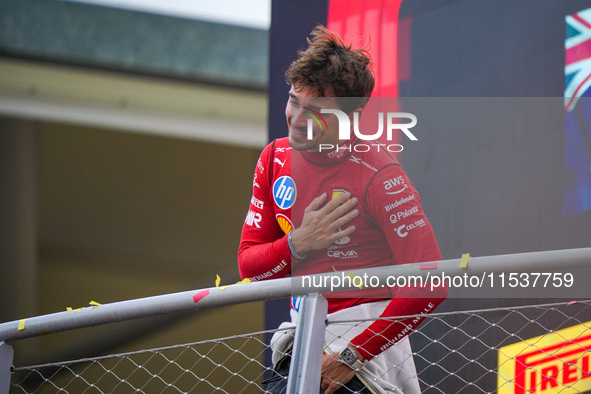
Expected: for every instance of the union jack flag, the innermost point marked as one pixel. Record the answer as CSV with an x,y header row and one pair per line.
x,y
577,67
577,144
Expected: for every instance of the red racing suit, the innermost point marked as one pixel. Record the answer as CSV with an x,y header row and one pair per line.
x,y
391,228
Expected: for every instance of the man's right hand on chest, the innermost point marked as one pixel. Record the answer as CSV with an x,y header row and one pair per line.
x,y
321,226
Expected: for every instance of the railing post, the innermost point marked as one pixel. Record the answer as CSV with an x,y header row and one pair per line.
x,y
306,361
6,355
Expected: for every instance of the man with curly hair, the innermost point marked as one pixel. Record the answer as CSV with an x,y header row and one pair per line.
x,y
314,211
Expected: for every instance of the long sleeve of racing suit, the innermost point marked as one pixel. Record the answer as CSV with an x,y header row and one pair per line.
x,y
264,252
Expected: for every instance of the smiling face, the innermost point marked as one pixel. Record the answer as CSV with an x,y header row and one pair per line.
x,y
302,104
332,69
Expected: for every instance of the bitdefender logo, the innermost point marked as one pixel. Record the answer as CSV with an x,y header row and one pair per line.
x,y
344,124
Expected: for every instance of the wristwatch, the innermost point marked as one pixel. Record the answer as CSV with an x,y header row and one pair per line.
x,y
350,358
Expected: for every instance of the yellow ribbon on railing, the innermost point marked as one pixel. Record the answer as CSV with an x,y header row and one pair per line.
x,y
91,303
218,280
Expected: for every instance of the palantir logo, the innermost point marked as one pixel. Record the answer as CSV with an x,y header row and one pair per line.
x,y
284,192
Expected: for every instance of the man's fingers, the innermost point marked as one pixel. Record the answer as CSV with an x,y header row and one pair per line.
x,y
316,203
343,233
329,385
332,386
342,210
343,220
336,202
345,206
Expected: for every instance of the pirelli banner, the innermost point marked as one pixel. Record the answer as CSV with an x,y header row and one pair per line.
x,y
557,362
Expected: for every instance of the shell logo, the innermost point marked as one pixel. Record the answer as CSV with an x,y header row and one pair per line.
x,y
284,223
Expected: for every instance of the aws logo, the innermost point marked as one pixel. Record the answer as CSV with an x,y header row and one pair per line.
x,y
395,183
318,118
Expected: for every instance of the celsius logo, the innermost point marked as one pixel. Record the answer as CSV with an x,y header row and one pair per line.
x,y
400,231
317,117
284,192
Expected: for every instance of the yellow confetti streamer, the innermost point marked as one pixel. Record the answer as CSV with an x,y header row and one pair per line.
x,y
21,325
245,280
353,280
464,260
218,280
91,303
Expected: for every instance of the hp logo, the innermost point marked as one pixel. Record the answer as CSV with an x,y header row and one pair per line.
x,y
284,192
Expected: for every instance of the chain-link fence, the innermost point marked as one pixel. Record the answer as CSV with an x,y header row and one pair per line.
x,y
526,349
225,365
542,348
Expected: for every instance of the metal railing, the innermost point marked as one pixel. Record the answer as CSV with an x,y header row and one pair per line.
x,y
533,348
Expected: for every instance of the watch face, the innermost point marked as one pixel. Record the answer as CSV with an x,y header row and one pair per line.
x,y
348,356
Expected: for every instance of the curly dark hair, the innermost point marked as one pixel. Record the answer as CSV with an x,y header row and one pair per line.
x,y
332,69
